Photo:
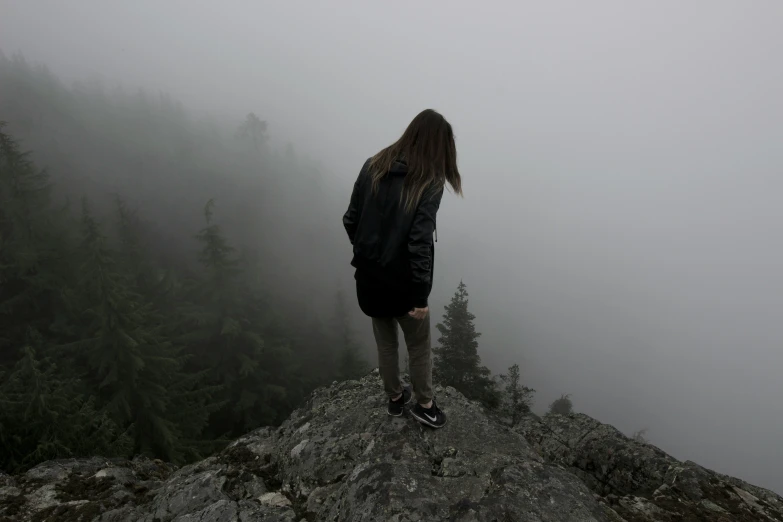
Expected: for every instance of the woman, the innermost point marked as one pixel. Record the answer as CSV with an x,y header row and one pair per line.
x,y
390,222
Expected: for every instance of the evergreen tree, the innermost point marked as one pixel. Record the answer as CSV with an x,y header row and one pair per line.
x,y
121,344
253,129
640,436
223,330
44,416
33,263
562,406
134,251
516,398
456,360
189,399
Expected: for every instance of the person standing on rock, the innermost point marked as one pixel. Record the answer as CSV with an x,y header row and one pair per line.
x,y
391,223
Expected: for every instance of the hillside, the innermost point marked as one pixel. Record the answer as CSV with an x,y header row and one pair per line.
x,y
339,457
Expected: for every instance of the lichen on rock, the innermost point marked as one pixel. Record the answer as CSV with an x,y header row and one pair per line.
x,y
638,481
341,458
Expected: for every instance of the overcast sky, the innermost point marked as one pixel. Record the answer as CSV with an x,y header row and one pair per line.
x,y
622,161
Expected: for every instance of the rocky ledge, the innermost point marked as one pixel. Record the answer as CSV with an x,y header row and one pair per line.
x,y
638,481
341,458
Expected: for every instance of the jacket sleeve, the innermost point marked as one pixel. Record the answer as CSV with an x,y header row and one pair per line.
x,y
420,246
351,216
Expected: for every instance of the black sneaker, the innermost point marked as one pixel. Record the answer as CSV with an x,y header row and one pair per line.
x,y
396,408
432,417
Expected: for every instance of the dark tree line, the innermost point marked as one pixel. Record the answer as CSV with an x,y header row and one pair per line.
x,y
105,352
138,315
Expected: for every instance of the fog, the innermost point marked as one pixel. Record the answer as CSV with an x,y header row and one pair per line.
x,y
620,231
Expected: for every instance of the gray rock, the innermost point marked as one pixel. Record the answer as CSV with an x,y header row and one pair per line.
x,y
83,489
274,500
6,480
186,492
341,458
641,482
119,474
8,489
353,465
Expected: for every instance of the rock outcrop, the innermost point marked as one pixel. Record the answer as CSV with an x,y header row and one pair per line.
x,y
341,458
640,482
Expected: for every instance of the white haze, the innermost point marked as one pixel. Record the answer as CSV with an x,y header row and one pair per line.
x,y
621,231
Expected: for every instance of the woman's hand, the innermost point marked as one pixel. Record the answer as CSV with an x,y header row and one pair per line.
x,y
419,313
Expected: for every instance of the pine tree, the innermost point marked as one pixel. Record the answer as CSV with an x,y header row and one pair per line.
x,y
562,406
133,250
189,399
45,411
516,398
253,129
223,330
33,264
121,343
640,436
456,360
45,416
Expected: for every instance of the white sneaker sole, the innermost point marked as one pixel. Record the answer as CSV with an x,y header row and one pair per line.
x,y
426,422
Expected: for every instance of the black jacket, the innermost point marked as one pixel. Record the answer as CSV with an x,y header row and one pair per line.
x,y
392,246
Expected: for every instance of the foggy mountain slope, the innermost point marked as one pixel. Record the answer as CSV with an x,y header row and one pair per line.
x,y
621,171
341,458
157,297
98,141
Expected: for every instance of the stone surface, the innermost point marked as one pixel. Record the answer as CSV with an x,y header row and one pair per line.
x,y
641,483
341,458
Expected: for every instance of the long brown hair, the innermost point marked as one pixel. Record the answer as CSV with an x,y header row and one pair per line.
x,y
427,147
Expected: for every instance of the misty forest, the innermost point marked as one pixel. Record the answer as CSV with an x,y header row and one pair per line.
x,y
147,304
181,336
